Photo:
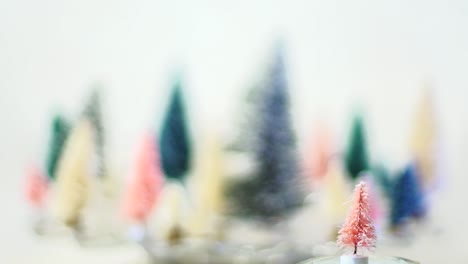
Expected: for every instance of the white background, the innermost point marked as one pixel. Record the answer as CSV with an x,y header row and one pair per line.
x,y
377,54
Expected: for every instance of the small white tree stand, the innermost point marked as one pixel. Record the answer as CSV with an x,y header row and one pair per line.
x,y
354,259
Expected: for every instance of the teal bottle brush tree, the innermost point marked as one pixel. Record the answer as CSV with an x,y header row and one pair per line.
x,y
356,156
174,140
59,132
176,156
382,177
38,184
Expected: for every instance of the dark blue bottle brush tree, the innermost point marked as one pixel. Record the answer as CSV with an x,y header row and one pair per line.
x,y
407,200
248,125
174,141
175,148
272,190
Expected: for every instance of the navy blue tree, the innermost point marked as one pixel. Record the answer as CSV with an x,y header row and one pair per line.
x,y
273,189
60,129
174,141
245,140
407,199
356,157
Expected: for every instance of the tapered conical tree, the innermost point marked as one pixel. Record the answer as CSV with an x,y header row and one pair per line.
x,y
320,154
245,139
93,111
145,185
60,129
407,199
423,140
382,177
356,157
208,189
335,192
174,140
36,188
74,175
272,190
358,231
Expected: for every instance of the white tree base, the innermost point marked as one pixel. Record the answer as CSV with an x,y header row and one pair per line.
x,y
354,259
137,233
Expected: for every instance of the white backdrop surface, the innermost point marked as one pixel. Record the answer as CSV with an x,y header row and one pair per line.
x,y
377,54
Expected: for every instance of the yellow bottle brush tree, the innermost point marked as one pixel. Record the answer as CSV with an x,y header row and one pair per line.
x,y
74,176
423,140
208,190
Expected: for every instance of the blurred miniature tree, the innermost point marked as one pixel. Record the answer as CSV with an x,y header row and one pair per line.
x,y
320,154
356,157
74,176
36,188
60,129
145,185
245,140
208,190
335,192
407,199
173,226
143,191
423,139
93,111
36,192
273,190
382,178
174,140
358,229
175,150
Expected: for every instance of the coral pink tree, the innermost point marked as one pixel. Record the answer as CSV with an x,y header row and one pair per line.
x,y
358,229
320,153
146,183
36,187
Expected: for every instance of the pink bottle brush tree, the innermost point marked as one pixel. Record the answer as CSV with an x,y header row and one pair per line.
x,y
36,188
145,185
320,154
358,231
